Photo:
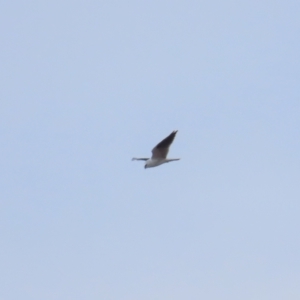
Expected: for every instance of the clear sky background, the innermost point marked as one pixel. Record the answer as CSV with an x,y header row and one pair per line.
x,y
87,85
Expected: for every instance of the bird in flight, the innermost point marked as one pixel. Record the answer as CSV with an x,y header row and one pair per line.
x,y
160,152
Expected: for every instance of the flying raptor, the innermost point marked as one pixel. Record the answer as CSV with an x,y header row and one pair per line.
x,y
160,152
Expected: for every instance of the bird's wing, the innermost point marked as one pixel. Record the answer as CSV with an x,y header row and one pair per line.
x,y
161,149
135,158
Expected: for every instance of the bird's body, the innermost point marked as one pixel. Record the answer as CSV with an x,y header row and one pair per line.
x,y
160,152
150,163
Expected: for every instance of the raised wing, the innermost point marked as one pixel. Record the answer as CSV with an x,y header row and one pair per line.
x,y
161,149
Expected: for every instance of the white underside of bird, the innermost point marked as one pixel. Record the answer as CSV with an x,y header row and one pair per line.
x,y
159,153
150,162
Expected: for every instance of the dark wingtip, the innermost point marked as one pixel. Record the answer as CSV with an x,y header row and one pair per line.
x,y
167,141
174,132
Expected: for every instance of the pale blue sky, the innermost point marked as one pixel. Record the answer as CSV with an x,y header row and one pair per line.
x,y
87,85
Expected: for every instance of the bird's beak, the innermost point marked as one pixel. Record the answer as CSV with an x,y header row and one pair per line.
x,y
145,167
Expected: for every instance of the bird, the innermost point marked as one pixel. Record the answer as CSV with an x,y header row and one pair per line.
x,y
160,152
